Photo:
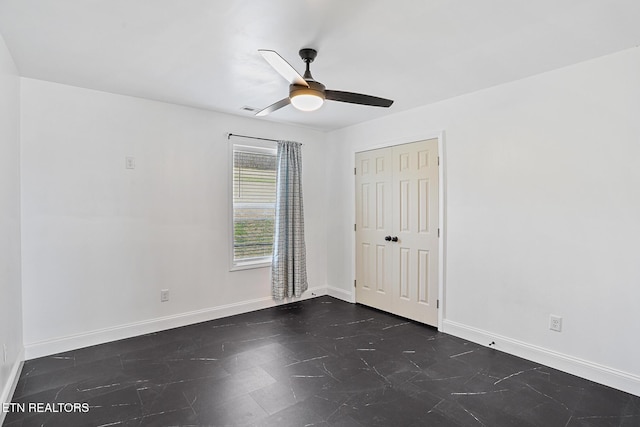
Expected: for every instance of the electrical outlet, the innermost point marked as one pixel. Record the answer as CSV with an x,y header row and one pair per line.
x,y
555,323
164,295
130,162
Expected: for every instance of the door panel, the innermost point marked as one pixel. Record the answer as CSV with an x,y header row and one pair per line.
x,y
405,254
416,221
405,205
373,219
381,264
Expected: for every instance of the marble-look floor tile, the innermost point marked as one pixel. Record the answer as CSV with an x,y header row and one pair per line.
x,y
321,362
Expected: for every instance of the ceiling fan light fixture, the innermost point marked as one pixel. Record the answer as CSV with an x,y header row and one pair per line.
x,y
306,99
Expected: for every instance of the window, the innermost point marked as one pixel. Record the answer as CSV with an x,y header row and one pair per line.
x,y
254,197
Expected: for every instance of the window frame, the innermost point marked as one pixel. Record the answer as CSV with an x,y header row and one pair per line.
x,y
261,147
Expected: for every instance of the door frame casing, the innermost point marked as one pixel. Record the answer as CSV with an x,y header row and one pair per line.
x,y
442,211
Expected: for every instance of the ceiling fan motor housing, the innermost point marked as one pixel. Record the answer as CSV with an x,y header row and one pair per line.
x,y
315,89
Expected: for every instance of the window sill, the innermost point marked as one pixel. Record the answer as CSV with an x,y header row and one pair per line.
x,y
250,265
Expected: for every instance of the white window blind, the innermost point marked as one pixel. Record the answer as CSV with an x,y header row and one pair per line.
x,y
254,195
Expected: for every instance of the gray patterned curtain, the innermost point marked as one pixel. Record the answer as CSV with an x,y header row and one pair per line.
x,y
289,264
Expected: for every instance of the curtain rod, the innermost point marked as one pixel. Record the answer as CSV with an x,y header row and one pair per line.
x,y
229,135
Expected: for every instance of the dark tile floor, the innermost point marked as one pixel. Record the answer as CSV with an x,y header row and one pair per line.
x,y
321,362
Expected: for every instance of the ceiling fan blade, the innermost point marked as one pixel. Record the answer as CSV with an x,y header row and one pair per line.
x,y
273,107
283,67
357,98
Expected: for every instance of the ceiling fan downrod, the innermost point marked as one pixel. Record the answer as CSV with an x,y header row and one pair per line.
x,y
308,55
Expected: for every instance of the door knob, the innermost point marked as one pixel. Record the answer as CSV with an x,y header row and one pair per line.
x,y
394,239
387,238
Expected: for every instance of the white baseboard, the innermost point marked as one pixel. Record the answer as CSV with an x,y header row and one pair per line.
x,y
100,336
12,382
583,368
341,294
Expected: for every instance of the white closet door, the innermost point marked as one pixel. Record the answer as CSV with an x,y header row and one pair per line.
x,y
397,230
374,222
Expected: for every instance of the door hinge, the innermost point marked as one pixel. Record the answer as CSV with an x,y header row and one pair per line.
x,y
438,232
437,303
354,171
354,227
354,283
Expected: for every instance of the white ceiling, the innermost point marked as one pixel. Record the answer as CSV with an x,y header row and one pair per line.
x,y
204,53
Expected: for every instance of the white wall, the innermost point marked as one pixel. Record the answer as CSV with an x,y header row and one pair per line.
x,y
101,241
10,291
543,213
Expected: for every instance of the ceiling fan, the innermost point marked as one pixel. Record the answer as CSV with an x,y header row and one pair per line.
x,y
307,94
